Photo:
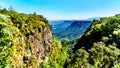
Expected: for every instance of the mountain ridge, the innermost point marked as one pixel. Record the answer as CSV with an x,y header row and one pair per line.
x,y
74,29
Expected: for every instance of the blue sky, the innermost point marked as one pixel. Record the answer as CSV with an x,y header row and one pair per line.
x,y
65,9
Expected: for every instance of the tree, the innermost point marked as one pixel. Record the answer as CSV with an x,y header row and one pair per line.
x,y
11,8
79,59
102,56
34,13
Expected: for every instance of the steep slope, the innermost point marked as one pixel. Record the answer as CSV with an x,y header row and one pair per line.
x,y
100,29
26,41
73,31
99,47
28,37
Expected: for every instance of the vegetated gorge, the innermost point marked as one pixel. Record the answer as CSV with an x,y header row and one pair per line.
x,y
27,41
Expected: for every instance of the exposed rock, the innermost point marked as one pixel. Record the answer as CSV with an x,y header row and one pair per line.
x,y
25,40
40,43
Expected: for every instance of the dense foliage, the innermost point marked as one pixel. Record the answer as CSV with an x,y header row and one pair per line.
x,y
99,47
25,42
69,30
57,57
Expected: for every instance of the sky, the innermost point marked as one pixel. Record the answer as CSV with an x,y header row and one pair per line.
x,y
65,9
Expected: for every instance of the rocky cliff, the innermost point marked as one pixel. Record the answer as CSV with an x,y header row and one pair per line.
x,y
25,39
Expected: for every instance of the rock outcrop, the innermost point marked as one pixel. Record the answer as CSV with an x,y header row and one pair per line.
x,y
25,40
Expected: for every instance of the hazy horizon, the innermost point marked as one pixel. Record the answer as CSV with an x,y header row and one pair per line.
x,y
65,9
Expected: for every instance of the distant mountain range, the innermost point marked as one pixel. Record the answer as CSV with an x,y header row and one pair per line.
x,y
69,29
74,30
94,18
59,25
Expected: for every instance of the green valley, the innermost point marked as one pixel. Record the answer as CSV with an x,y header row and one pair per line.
x,y
27,41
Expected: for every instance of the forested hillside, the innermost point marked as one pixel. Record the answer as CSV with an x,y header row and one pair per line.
x,y
73,31
26,41
99,47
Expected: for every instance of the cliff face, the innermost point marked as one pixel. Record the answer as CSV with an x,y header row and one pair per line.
x,y
73,31
25,39
40,43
